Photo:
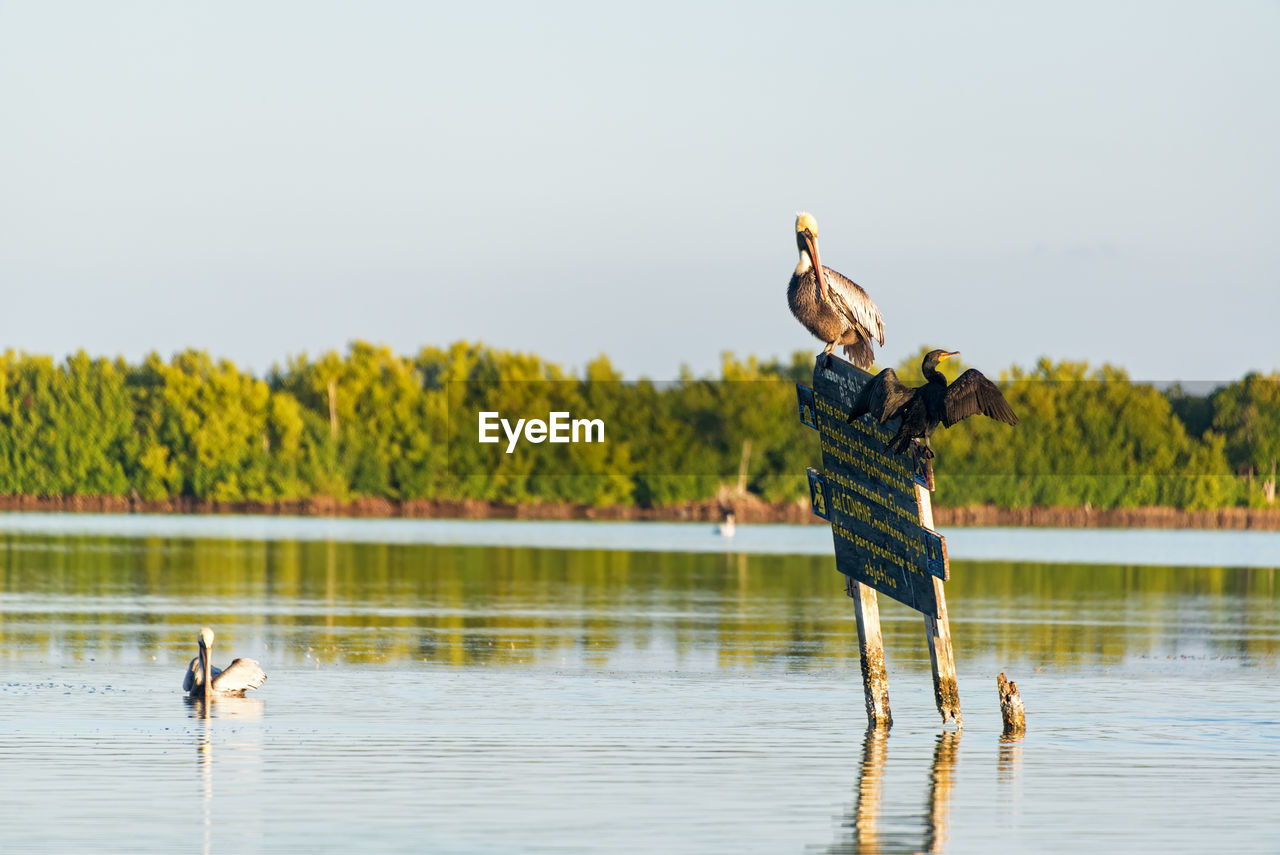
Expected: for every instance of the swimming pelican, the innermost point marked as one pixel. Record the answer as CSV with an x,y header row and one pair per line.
x,y
202,679
923,408
829,305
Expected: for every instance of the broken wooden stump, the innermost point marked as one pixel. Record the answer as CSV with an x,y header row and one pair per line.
x,y
1011,709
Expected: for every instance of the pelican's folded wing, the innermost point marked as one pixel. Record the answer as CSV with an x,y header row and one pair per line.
x,y
191,679
854,303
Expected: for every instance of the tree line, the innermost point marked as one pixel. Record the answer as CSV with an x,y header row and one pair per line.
x,y
373,423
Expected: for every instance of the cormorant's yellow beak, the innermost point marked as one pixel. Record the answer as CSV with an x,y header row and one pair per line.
x,y
948,355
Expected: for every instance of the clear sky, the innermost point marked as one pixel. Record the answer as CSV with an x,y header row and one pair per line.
x,y
1082,180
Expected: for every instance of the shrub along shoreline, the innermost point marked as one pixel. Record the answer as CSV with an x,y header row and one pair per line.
x,y
373,432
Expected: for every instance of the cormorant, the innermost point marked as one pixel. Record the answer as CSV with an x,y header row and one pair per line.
x,y
203,680
832,307
923,407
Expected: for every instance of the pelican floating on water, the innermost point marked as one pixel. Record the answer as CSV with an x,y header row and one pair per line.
x,y
203,680
831,306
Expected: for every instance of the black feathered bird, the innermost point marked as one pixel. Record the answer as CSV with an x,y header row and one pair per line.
x,y
922,408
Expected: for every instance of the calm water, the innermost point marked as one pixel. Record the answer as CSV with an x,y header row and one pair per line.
x,y
513,699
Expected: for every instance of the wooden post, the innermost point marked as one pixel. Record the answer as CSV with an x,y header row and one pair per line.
x,y
875,678
1011,709
946,692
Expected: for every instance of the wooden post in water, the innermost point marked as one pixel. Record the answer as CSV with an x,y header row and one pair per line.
x,y
875,678
946,692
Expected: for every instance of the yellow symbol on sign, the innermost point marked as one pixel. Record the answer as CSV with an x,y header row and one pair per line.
x,y
819,502
806,417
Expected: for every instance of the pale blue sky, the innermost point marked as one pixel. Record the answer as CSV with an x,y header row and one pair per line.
x,y
1087,180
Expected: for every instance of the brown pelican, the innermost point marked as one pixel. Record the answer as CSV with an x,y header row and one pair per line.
x,y
830,306
203,680
923,407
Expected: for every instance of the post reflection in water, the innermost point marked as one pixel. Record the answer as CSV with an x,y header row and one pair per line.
x,y
940,777
866,809
1008,769
863,826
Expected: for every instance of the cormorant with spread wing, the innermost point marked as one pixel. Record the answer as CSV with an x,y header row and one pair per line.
x,y
830,306
922,408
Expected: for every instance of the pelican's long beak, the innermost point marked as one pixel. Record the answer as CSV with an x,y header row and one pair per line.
x,y
206,665
811,244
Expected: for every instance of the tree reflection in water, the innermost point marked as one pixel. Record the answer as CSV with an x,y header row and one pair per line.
x,y
371,603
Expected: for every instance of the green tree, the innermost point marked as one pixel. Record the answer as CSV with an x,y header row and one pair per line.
x,y
1247,415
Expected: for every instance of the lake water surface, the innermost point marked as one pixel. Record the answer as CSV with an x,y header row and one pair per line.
x,y
639,695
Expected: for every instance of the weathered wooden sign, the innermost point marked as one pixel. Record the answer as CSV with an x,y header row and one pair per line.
x,y
882,521
869,494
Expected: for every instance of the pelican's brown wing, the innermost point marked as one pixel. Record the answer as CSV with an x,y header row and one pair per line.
x,y
852,302
240,675
882,397
974,393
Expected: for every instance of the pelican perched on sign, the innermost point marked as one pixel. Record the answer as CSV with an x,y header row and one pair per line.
x,y
203,680
923,408
832,307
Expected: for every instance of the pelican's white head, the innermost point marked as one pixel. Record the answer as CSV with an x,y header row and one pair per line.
x,y
807,242
206,637
806,222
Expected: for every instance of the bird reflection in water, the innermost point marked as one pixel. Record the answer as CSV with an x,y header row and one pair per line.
x,y
204,711
226,707
863,833
204,764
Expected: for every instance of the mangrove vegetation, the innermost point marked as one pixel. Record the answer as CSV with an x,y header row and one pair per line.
x,y
373,423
